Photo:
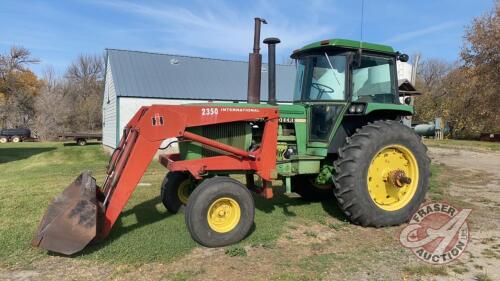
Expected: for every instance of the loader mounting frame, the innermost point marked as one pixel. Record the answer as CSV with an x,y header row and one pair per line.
x,y
151,125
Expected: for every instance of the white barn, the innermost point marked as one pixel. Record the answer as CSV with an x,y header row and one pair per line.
x,y
135,79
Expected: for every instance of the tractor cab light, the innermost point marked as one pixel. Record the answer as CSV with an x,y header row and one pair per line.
x,y
356,108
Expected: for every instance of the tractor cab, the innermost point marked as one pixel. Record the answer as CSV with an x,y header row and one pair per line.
x,y
342,77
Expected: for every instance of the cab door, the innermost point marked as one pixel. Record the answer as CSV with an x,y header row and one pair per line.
x,y
324,90
323,119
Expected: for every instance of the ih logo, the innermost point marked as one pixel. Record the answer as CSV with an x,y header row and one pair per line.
x,y
157,120
438,233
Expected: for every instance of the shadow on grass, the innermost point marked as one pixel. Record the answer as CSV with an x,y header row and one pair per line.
x,y
8,154
281,201
146,214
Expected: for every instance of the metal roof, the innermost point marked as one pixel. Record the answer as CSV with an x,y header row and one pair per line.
x,y
153,75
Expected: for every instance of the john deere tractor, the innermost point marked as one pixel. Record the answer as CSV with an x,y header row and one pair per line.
x,y
342,137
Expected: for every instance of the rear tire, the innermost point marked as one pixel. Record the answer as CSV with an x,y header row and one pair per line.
x,y
16,139
309,191
220,212
175,190
371,155
3,140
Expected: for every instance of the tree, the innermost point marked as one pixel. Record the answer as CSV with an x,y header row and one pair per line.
x,y
430,77
18,87
51,107
85,85
481,56
466,94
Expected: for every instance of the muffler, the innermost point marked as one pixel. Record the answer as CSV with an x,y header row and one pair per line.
x,y
71,221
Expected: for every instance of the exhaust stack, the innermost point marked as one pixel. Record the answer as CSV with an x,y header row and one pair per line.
x,y
255,65
271,81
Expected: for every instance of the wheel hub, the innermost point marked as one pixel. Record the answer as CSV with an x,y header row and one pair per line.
x,y
183,191
392,177
223,215
398,178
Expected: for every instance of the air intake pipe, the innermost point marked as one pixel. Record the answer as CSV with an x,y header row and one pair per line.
x,y
255,65
271,65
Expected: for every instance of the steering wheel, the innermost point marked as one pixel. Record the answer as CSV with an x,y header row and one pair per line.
x,y
321,89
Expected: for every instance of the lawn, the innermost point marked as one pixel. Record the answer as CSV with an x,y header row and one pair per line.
x,y
31,174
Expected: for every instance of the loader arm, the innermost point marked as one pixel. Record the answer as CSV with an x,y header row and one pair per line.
x,y
83,212
151,125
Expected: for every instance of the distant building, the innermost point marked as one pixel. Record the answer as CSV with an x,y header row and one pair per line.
x,y
135,79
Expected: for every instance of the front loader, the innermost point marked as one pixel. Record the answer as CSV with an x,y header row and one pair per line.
x,y
342,137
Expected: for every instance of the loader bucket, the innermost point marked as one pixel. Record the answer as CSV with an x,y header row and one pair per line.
x,y
70,222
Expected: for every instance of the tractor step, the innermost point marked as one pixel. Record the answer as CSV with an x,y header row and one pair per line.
x,y
292,195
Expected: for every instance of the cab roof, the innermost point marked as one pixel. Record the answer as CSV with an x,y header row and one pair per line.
x,y
343,43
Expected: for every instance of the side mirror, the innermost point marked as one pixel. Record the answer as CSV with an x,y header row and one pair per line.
x,y
403,57
408,100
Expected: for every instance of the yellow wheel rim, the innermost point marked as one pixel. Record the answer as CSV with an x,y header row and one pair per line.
x,y
223,215
392,177
183,191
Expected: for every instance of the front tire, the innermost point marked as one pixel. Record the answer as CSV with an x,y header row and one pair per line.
x,y
81,142
16,139
220,212
175,190
382,174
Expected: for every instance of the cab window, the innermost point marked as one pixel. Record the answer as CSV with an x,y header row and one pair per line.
x,y
373,80
320,78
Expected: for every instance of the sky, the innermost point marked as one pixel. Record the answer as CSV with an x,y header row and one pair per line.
x,y
57,32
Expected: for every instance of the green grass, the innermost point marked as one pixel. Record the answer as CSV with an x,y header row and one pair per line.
x,y
437,187
31,174
484,145
460,270
420,270
235,251
482,277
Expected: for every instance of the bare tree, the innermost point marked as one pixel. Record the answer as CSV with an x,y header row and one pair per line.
x,y
85,86
52,107
18,58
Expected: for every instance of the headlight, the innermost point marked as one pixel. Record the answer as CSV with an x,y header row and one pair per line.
x,y
359,108
356,108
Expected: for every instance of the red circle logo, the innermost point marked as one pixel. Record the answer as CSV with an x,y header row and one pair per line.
x,y
438,233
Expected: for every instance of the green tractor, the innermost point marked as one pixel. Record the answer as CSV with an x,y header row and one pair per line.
x,y
342,137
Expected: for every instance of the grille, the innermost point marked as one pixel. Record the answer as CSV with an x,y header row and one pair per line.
x,y
237,134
